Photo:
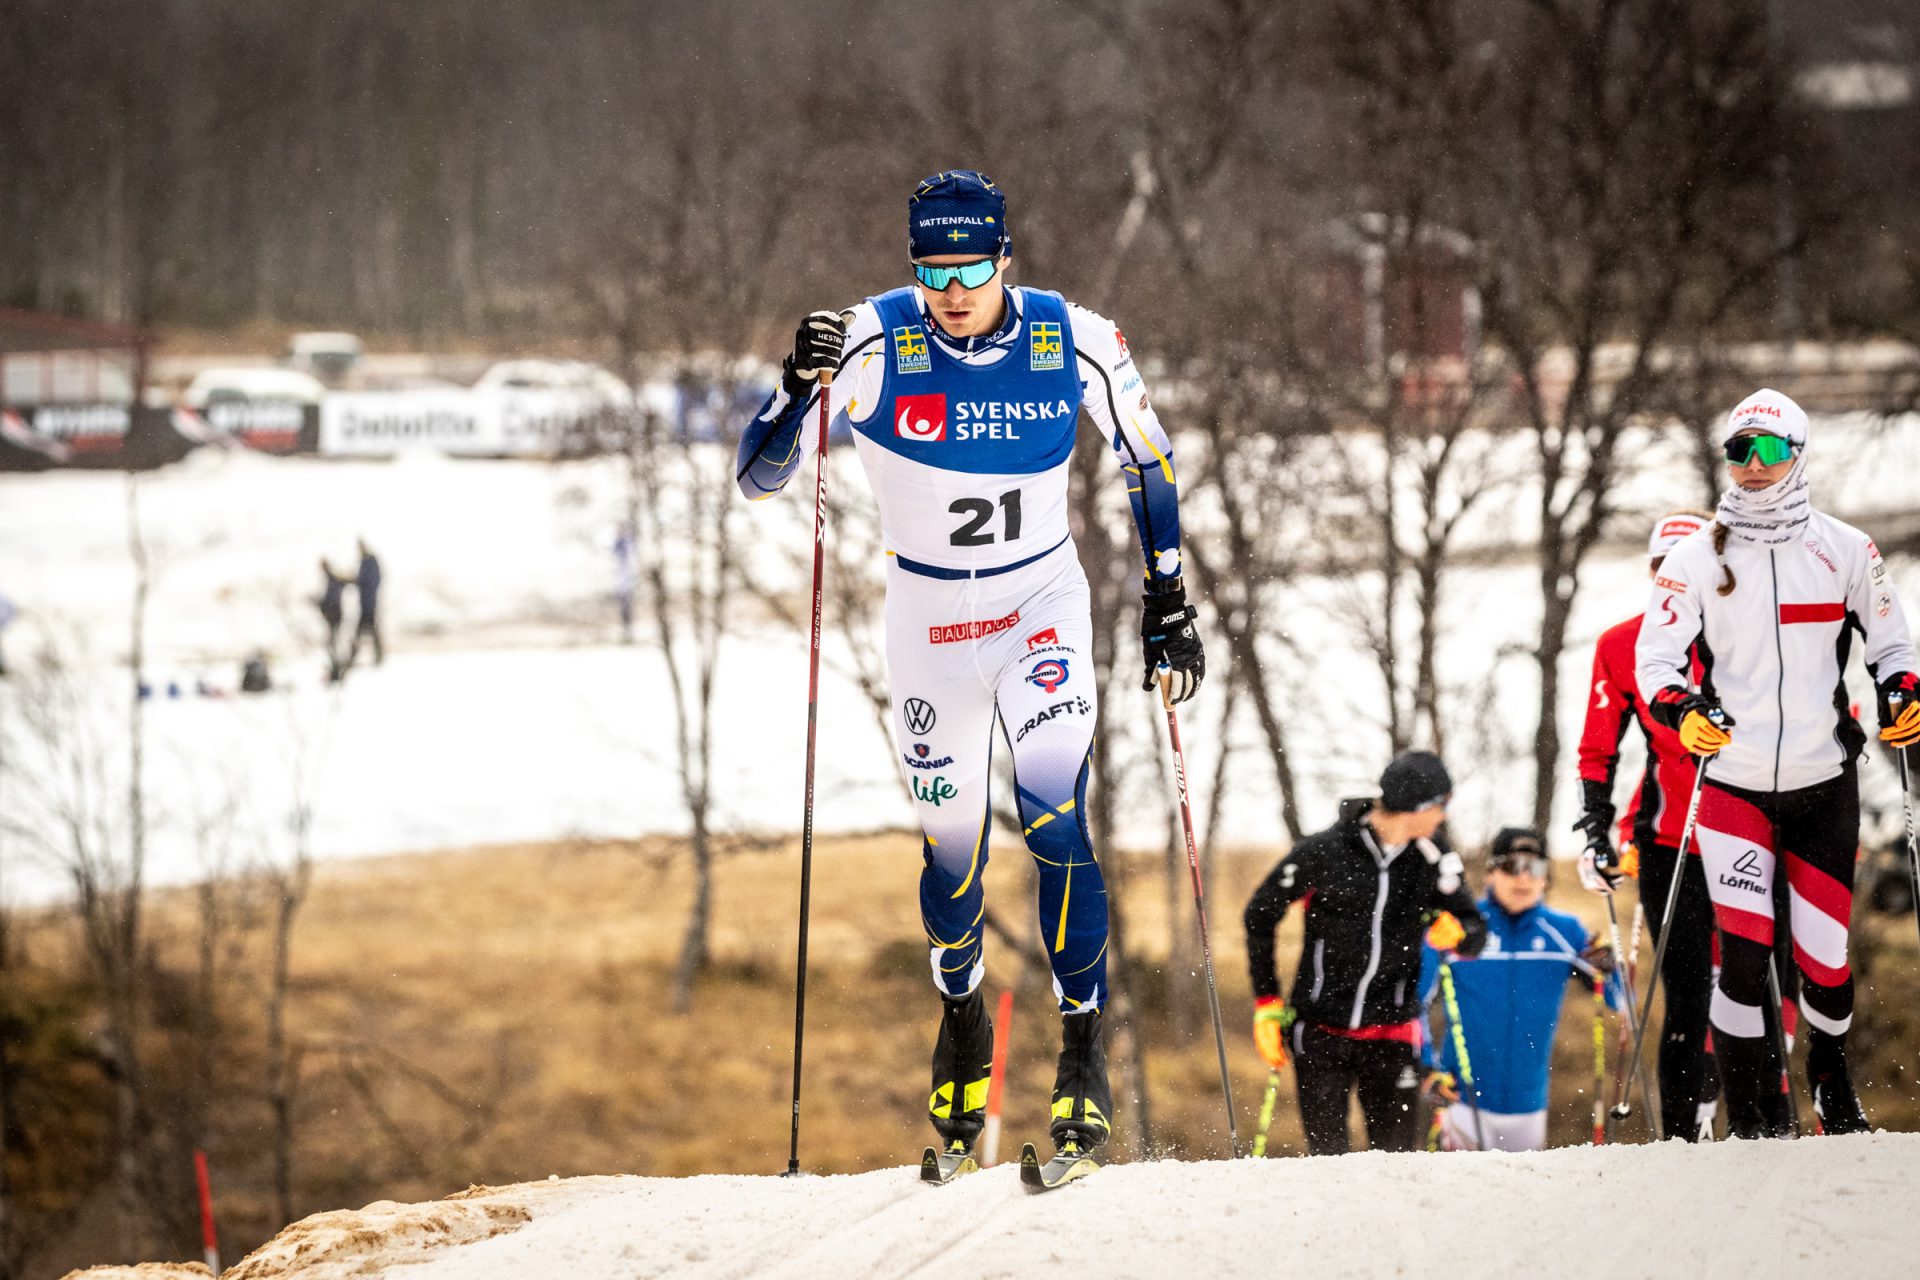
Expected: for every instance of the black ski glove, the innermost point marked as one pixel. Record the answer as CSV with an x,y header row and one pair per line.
x,y
817,345
1475,939
1599,864
1167,632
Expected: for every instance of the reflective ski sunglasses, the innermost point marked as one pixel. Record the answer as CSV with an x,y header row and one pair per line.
x,y
1520,864
971,275
1770,449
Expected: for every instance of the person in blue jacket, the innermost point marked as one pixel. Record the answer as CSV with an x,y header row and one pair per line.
x,y
1509,1000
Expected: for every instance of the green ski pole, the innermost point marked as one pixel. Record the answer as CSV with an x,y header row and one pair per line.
x,y
1266,1114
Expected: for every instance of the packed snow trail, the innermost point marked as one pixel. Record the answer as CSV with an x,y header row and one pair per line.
x,y
1744,1210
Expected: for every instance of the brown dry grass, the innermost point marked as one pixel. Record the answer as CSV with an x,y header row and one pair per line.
x,y
498,1015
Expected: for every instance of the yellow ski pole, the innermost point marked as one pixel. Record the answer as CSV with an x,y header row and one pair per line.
x,y
1266,1114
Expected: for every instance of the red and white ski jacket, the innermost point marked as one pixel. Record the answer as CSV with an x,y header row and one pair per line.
x,y
1774,650
1658,808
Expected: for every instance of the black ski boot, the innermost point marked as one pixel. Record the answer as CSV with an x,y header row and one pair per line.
x,y
1750,1077
1834,1100
1082,1101
962,1063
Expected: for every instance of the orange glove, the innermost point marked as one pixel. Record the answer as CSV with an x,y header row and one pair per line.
x,y
1271,1017
1701,735
1630,860
1445,933
1905,729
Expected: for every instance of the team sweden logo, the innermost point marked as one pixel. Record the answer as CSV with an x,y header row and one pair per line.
x,y
910,352
1047,351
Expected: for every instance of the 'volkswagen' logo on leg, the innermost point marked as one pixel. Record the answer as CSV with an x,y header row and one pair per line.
x,y
919,714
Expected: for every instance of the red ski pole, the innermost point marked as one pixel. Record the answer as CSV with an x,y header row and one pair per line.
x,y
996,1084
1200,907
210,1242
813,724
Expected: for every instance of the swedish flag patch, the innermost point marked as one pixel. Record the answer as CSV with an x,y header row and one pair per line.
x,y
1047,351
910,351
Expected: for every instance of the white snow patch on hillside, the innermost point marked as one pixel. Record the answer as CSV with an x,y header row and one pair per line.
x,y
507,711
1746,1210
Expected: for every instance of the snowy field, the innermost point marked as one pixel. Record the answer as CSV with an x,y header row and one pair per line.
x,y
507,710
1830,1206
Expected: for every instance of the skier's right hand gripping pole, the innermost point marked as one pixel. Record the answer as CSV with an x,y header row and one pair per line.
x,y
817,346
1173,652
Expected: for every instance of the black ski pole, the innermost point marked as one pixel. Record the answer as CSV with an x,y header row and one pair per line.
x,y
1625,1106
1620,966
1777,1019
813,723
1906,805
1200,907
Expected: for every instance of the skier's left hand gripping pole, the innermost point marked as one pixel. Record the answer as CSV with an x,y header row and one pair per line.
x,y
813,722
1199,905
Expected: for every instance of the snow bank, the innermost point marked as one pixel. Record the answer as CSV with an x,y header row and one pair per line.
x,y
1728,1209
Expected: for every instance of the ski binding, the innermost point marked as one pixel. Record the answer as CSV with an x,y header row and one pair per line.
x,y
941,1167
1070,1164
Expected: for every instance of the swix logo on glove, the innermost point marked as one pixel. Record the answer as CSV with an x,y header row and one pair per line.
x,y
920,417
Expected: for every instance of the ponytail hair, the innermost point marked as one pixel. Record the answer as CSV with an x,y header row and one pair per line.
x,y
1720,532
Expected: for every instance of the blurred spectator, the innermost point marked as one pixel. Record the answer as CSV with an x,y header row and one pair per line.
x,y
367,584
254,677
332,611
623,579
1509,999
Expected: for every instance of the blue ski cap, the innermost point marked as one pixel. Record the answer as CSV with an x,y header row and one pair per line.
x,y
957,211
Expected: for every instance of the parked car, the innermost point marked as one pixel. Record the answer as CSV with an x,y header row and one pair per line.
x,y
555,375
251,385
330,357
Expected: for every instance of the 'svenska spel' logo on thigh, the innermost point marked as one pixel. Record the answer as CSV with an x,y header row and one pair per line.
x,y
920,417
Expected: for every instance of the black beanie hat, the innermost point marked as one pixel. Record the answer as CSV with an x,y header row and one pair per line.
x,y
1413,779
1517,840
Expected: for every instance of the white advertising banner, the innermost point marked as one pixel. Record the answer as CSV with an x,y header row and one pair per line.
x,y
376,423
513,421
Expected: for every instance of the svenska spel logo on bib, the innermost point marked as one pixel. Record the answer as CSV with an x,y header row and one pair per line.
x,y
920,417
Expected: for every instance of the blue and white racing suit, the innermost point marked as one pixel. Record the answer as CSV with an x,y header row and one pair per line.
x,y
966,444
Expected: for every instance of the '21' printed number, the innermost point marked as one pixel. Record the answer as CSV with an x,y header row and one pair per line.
x,y
979,511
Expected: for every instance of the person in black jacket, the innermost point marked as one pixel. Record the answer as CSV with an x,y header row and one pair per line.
x,y
366,582
1373,882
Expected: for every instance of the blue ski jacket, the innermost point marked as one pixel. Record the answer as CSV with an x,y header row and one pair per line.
x,y
1509,997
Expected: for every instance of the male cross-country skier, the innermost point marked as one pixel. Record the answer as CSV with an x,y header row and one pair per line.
x,y
1372,882
963,393
1773,594
1509,999
1656,812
